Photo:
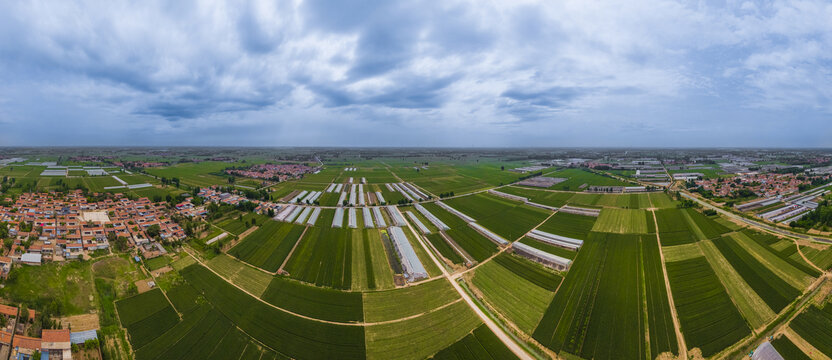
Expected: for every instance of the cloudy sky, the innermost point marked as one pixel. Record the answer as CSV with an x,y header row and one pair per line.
x,y
416,73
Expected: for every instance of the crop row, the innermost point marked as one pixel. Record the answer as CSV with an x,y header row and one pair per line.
x,y
815,326
659,316
479,344
708,318
323,258
316,302
787,254
570,225
269,245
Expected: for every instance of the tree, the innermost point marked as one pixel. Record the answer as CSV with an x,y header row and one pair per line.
x,y
153,231
24,312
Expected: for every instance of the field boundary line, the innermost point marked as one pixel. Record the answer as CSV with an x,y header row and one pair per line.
x,y
289,255
680,339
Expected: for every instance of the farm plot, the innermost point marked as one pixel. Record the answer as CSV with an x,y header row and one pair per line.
x,y
479,344
424,335
291,335
194,174
316,302
674,228
408,301
815,326
787,349
786,250
622,221
145,316
704,226
708,318
476,245
521,301
570,225
382,272
598,310
748,302
444,248
550,198
661,200
323,258
662,333
783,268
240,274
820,257
775,291
506,218
268,246
237,226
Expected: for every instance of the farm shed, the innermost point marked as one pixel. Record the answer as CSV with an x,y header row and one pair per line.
x,y
341,199
422,227
380,198
294,214
433,219
556,240
30,258
353,221
389,188
379,218
339,188
368,218
338,219
766,352
581,211
302,218
487,233
281,216
350,181
397,218
541,257
352,198
314,217
363,180
330,188
508,196
299,196
412,266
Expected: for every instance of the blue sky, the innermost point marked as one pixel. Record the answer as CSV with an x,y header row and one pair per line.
x,y
415,73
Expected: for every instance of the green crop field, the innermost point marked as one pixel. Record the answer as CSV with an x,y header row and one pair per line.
x,y
423,335
775,291
479,344
157,262
323,258
787,349
705,227
518,299
235,226
471,241
787,251
374,175
626,201
662,333
815,326
623,221
569,225
748,302
598,310
708,318
202,174
316,302
291,335
444,248
580,177
408,301
268,246
240,274
509,219
145,316
674,228
780,266
662,201
551,198
821,258
374,250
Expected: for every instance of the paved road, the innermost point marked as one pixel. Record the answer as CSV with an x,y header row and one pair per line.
x,y
755,223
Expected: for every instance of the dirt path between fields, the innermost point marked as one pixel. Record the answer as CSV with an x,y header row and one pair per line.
x,y
495,328
683,349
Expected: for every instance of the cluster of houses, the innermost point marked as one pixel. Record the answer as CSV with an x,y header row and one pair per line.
x,y
57,227
279,172
53,343
764,185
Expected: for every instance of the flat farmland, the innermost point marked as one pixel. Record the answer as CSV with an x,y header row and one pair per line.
x,y
374,250
815,326
408,301
476,245
374,175
424,335
268,246
708,317
323,258
787,349
625,201
551,198
242,275
783,268
674,228
703,226
598,310
661,331
661,200
145,315
578,177
569,225
291,335
509,219
623,221
554,250
479,344
786,250
316,302
202,174
518,299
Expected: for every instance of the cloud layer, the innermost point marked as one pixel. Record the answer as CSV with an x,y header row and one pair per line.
x,y
449,73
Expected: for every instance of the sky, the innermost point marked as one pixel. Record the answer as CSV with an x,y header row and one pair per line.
x,y
416,73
